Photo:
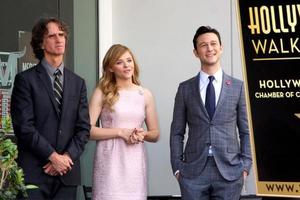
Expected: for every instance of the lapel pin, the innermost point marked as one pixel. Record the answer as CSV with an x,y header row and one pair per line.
x,y
227,82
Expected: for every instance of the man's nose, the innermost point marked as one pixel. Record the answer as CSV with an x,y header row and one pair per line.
x,y
209,47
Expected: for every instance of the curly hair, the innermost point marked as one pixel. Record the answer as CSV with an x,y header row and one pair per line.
x,y
107,83
38,32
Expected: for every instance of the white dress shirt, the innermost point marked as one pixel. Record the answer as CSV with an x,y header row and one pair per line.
x,y
217,82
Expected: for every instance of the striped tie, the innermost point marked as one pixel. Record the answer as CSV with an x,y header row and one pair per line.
x,y
58,92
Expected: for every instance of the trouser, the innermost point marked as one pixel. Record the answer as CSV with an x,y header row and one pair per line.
x,y
210,185
52,189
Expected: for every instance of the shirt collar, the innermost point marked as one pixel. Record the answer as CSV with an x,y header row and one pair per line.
x,y
50,70
204,76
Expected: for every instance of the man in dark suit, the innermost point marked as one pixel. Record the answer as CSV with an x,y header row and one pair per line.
x,y
50,116
214,161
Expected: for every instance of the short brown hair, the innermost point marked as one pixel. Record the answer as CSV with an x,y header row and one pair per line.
x,y
202,30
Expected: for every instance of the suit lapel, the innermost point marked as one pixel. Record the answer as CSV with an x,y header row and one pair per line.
x,y
226,85
196,93
45,79
66,90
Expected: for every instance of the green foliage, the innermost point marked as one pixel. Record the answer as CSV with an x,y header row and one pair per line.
x,y
12,177
6,124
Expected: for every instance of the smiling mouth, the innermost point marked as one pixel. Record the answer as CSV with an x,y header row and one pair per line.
x,y
210,55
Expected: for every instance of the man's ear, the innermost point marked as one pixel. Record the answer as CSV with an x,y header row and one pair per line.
x,y
195,53
221,48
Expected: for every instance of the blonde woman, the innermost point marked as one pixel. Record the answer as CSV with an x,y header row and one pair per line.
x,y
120,170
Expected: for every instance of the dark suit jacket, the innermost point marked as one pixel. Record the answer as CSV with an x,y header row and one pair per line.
x,y
231,156
38,127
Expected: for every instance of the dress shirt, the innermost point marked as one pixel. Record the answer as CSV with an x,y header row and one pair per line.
x,y
217,82
203,83
50,70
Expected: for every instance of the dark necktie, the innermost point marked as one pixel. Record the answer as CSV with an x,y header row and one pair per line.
x,y
210,99
58,92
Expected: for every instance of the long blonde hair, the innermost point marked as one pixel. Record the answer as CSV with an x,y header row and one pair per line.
x,y
107,83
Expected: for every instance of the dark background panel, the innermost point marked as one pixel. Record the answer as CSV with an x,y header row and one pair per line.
x,y
21,15
275,126
18,16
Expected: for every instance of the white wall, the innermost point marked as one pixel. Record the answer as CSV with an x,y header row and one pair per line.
x,y
160,33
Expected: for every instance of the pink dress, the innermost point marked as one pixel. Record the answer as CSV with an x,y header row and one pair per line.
x,y
119,168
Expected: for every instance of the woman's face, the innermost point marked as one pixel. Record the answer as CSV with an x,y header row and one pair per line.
x,y
124,67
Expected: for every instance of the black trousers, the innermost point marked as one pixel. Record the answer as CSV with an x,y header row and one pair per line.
x,y
52,189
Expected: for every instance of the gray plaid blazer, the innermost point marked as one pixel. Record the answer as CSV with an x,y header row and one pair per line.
x,y
227,132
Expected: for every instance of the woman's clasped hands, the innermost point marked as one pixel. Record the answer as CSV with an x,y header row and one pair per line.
x,y
133,136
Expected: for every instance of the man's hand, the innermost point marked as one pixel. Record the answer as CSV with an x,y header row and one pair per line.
x,y
49,169
59,164
245,174
177,175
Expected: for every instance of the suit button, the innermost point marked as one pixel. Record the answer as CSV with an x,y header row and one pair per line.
x,y
60,132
